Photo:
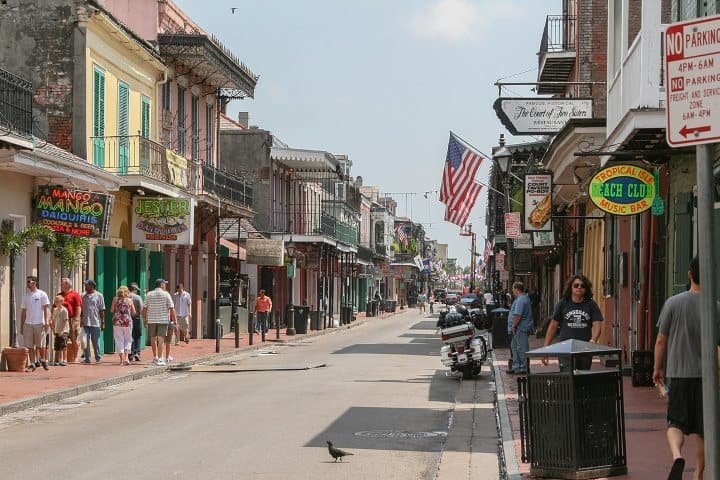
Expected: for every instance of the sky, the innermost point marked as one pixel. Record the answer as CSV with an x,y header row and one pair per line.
x,y
384,82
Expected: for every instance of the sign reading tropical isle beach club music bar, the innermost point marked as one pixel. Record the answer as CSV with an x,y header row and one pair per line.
x,y
73,212
623,189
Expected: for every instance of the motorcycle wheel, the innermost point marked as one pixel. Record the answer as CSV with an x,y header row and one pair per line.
x,y
467,372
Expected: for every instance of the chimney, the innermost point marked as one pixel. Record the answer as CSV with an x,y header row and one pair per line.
x,y
244,119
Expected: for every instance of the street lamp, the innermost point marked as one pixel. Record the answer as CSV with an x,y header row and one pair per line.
x,y
503,159
470,233
290,249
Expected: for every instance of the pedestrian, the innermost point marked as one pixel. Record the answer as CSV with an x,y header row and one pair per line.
x,y
520,324
578,317
422,301
35,323
158,312
123,309
61,328
679,334
73,305
182,302
93,319
431,302
263,307
173,330
489,302
136,322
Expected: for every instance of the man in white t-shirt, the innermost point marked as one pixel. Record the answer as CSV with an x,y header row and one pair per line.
x,y
35,323
182,302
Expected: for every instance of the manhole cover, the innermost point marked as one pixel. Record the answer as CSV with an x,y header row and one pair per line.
x,y
398,434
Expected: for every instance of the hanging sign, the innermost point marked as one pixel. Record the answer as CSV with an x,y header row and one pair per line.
x,y
622,189
73,212
163,220
537,208
538,116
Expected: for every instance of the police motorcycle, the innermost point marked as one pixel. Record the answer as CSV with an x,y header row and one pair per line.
x,y
464,349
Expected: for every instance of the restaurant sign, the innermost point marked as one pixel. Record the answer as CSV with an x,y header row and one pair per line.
x,y
540,116
79,213
622,189
163,220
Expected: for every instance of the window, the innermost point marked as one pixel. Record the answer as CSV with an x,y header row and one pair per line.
x,y
209,134
98,117
195,128
166,96
144,133
181,120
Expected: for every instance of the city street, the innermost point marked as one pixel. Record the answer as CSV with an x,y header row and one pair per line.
x,y
377,391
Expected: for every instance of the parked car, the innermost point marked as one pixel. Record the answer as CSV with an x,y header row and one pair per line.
x,y
471,300
439,294
451,298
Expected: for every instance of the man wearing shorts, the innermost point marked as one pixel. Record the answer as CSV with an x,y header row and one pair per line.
x,y
73,304
35,323
680,335
182,301
158,312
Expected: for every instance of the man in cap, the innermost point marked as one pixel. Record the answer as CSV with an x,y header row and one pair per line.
x,y
158,312
137,321
93,319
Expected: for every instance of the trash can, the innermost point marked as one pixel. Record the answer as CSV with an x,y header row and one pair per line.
x,y
500,338
302,318
572,421
315,320
642,368
369,308
390,305
346,314
375,308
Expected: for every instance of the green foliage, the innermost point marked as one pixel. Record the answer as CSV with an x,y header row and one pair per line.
x,y
69,250
14,242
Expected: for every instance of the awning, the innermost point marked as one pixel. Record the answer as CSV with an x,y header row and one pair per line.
x,y
234,249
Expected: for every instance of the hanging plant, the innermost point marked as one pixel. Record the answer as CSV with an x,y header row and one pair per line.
x,y
394,247
69,250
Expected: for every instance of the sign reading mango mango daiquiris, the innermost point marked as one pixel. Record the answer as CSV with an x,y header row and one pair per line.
x,y
79,213
623,189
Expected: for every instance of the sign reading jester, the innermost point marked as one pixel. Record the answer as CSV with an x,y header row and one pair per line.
x,y
623,189
163,220
79,213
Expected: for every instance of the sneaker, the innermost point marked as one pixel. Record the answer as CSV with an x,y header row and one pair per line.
x,y
44,364
56,364
37,364
136,357
177,343
62,364
30,367
155,360
161,363
187,340
170,359
676,472
97,360
86,361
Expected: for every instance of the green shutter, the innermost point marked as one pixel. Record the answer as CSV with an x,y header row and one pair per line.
x,y
145,133
123,128
99,117
682,254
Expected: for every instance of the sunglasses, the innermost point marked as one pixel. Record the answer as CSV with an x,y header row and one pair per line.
x,y
578,285
31,281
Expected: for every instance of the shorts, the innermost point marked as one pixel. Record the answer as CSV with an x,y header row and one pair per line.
x,y
182,322
685,405
61,341
75,330
34,336
170,330
157,329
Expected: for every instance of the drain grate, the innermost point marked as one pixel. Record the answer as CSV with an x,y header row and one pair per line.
x,y
398,434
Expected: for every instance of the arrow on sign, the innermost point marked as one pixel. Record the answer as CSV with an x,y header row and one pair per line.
x,y
685,131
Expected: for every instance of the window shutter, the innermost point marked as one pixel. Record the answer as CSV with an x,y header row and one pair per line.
x,y
683,241
123,127
98,117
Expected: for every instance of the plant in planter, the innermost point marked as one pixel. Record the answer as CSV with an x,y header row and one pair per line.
x,y
12,244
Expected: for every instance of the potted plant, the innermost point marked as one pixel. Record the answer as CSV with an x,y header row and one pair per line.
x,y
12,244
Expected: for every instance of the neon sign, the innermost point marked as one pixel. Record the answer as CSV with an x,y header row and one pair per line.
x,y
73,212
623,189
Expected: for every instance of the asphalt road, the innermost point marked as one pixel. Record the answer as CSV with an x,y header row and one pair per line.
x,y
377,390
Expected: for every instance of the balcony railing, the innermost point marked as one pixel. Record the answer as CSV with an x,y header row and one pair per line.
x,y
559,34
16,102
226,186
137,155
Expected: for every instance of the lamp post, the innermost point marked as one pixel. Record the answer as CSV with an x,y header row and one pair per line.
x,y
503,159
290,249
470,233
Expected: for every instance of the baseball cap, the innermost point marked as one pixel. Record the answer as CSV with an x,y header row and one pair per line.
x,y
134,286
160,281
90,281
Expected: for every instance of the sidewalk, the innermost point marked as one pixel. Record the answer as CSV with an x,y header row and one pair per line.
x,y
648,455
21,390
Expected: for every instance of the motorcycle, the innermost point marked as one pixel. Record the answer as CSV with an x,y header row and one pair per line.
x,y
464,349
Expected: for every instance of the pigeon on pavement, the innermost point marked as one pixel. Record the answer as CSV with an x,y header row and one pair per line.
x,y
336,452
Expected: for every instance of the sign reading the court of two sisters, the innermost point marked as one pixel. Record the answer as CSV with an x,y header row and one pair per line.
x,y
79,213
163,220
540,116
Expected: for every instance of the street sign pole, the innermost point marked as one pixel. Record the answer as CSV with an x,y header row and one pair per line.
x,y
708,309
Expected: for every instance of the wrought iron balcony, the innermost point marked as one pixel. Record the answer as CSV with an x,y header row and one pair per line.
x,y
556,58
226,186
137,155
16,103
382,249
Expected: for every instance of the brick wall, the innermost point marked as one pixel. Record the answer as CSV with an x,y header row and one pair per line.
x,y
592,52
36,42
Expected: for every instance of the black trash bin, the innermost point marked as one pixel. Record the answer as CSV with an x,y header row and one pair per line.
x,y
500,338
572,421
369,309
375,308
315,320
346,314
302,318
390,305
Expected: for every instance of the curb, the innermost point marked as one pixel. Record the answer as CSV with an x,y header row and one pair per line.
x,y
510,469
59,395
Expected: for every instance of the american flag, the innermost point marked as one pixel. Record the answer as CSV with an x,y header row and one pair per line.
x,y
488,251
402,235
459,190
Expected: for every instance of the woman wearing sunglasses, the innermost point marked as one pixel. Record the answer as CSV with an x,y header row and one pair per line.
x,y
577,315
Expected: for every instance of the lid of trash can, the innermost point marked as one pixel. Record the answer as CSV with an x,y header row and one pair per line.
x,y
572,347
